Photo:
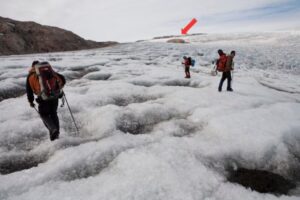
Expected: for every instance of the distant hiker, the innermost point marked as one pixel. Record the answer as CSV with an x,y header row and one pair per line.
x,y
187,63
47,84
225,65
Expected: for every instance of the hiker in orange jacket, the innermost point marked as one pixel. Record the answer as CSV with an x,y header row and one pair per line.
x,y
46,108
228,67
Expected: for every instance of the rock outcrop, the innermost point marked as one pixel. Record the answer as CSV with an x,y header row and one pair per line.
x,y
176,40
29,37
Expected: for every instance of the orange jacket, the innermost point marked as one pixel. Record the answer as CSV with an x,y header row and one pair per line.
x,y
33,81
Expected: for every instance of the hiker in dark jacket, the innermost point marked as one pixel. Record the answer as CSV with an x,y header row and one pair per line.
x,y
187,63
46,108
227,71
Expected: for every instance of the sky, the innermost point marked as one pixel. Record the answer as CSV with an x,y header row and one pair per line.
x,y
131,20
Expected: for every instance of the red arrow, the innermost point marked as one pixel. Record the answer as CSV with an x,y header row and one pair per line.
x,y
188,27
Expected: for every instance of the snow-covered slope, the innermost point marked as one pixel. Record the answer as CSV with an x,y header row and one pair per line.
x,y
182,135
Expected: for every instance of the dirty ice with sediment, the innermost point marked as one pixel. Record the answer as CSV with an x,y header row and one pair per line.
x,y
146,132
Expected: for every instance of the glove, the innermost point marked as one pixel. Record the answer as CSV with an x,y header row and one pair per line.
x,y
38,100
32,104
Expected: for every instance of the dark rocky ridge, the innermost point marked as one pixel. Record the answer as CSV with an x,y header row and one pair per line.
x,y
29,37
176,36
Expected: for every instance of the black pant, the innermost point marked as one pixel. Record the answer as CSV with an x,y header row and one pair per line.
x,y
187,72
48,113
225,75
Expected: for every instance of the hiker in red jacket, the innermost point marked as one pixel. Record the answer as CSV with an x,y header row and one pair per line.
x,y
187,63
225,64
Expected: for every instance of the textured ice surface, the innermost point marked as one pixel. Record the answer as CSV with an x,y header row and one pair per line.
x,y
148,133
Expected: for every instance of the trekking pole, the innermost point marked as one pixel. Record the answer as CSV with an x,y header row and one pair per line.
x,y
71,113
41,117
37,111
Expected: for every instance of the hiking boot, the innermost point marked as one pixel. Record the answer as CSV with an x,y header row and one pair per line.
x,y
54,135
220,89
230,90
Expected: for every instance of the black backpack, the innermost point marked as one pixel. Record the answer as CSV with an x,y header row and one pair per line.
x,y
189,60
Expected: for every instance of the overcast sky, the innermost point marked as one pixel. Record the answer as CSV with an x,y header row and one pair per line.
x,y
130,20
